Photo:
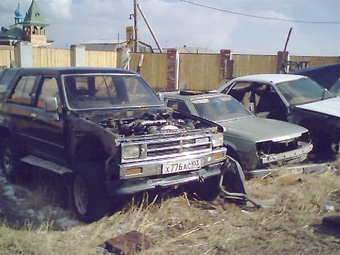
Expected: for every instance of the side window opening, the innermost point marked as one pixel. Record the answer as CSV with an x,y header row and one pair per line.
x,y
178,105
183,107
260,99
23,91
49,89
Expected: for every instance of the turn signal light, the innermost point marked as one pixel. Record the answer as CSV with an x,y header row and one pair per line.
x,y
132,171
218,156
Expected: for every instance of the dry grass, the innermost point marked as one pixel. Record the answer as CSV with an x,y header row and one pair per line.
x,y
292,224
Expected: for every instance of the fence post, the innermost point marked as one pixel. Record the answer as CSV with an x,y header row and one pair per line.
x,y
77,55
24,55
173,69
123,58
226,64
282,60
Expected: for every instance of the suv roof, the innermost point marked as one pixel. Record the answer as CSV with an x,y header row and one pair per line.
x,y
71,70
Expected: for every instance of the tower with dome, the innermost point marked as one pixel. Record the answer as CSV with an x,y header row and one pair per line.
x,y
31,27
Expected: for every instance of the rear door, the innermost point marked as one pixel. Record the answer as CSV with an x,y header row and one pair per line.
x,y
17,106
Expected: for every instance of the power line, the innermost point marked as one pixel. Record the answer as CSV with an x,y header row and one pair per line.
x,y
260,17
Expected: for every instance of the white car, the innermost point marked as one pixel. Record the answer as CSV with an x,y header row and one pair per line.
x,y
292,98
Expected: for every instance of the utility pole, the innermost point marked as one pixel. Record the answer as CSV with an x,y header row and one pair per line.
x,y
135,25
150,29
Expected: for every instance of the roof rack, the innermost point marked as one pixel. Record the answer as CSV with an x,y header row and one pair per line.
x,y
192,92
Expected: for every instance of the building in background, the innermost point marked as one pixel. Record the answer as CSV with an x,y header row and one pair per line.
x,y
113,45
30,28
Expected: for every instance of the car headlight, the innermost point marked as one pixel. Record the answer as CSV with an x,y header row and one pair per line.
x,y
217,140
132,151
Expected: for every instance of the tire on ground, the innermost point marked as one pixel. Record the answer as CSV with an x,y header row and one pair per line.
x,y
90,198
12,166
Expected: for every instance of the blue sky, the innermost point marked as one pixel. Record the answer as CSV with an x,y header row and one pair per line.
x,y
244,26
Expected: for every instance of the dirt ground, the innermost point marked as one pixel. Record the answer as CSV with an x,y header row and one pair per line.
x,y
298,215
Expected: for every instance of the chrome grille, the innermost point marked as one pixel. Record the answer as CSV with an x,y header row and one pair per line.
x,y
175,146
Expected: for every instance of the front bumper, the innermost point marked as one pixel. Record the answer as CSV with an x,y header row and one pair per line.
x,y
149,168
267,163
146,175
295,169
126,187
294,155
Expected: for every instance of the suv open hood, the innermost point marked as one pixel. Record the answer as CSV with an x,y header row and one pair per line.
x,y
329,106
325,75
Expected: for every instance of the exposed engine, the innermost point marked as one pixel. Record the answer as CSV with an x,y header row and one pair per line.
x,y
150,123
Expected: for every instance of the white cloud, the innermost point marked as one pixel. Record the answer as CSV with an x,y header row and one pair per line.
x,y
176,23
59,9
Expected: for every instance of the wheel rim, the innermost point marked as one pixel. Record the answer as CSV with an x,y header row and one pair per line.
x,y
80,195
8,164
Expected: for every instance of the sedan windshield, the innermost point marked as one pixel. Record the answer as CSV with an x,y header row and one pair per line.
x,y
220,108
99,91
336,88
303,91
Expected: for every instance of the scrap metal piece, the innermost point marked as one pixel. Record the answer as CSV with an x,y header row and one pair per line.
x,y
331,221
129,243
235,182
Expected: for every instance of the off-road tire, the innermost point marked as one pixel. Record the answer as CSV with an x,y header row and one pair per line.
x,y
11,165
90,199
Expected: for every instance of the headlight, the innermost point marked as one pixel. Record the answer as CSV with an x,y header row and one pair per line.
x,y
130,152
217,140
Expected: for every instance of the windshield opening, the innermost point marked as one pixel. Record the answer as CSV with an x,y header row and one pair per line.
x,y
303,91
98,91
220,108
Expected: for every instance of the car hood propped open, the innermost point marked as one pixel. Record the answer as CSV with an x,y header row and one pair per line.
x,y
329,106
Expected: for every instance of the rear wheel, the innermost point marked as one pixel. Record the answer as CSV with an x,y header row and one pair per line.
x,y
12,167
90,199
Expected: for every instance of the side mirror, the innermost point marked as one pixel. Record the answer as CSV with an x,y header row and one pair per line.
x,y
51,104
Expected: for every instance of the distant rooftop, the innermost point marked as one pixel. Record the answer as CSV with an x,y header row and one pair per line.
x,y
187,49
192,50
103,41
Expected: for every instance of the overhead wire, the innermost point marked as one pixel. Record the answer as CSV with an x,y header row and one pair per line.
x,y
259,17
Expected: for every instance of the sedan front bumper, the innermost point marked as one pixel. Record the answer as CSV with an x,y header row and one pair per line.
x,y
298,154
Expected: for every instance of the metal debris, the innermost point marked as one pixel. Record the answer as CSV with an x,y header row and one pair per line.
x,y
130,243
331,221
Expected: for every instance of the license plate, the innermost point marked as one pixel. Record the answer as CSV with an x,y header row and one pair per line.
x,y
181,166
297,171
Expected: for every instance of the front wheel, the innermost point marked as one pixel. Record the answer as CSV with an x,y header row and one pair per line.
x,y
10,160
90,199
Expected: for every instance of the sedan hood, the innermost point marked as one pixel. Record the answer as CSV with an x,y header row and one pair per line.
x,y
329,106
258,129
